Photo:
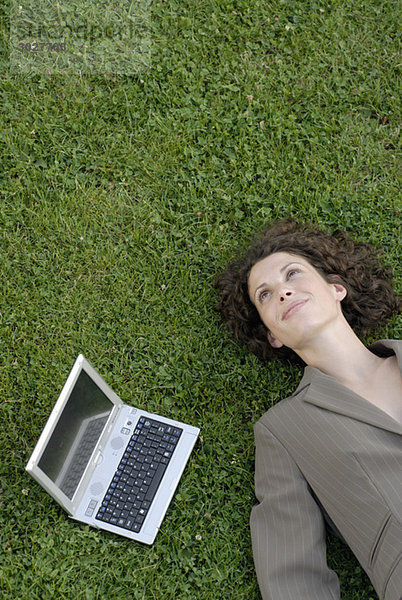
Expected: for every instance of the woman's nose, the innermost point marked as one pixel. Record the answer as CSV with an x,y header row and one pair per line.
x,y
285,294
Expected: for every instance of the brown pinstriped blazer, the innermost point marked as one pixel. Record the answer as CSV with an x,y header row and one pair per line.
x,y
329,444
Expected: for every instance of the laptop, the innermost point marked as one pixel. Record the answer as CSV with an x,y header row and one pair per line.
x,y
110,465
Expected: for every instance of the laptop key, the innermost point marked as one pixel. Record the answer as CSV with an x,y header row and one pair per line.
x,y
128,522
155,482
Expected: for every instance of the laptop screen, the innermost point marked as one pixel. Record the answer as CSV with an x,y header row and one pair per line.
x,y
76,434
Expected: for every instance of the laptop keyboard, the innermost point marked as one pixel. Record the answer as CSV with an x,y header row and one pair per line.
x,y
137,478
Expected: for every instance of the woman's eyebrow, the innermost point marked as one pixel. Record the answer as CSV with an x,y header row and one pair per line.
x,y
259,287
280,270
288,265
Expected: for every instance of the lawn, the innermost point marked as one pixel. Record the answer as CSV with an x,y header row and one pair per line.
x,y
122,195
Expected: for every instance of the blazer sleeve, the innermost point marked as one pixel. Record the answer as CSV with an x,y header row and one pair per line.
x,y
287,528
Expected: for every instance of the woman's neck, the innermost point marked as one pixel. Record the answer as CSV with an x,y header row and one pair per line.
x,y
340,354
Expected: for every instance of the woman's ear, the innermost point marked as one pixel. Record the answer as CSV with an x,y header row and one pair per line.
x,y
273,341
340,290
339,287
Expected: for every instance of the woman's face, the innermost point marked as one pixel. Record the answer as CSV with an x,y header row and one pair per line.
x,y
294,301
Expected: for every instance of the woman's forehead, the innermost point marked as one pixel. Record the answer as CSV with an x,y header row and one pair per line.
x,y
273,265
277,261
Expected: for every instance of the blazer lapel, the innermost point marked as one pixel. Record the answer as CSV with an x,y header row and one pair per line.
x,y
326,392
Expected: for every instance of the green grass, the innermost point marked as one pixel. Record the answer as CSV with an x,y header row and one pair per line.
x,y
121,197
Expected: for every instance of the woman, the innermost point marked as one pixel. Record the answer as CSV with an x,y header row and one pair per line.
x,y
332,452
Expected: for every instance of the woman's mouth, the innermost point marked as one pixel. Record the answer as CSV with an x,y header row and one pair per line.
x,y
293,308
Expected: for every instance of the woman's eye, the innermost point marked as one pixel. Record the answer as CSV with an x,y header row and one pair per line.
x,y
263,295
292,272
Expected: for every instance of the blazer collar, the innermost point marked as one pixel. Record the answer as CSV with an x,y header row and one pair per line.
x,y
328,393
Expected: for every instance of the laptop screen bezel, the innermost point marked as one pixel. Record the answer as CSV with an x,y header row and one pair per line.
x,y
70,505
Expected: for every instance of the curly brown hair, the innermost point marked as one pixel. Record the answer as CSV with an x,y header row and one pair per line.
x,y
370,300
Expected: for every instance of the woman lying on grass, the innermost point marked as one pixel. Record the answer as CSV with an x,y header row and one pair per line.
x,y
332,452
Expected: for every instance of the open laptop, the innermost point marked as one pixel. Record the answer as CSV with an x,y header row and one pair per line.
x,y
110,465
